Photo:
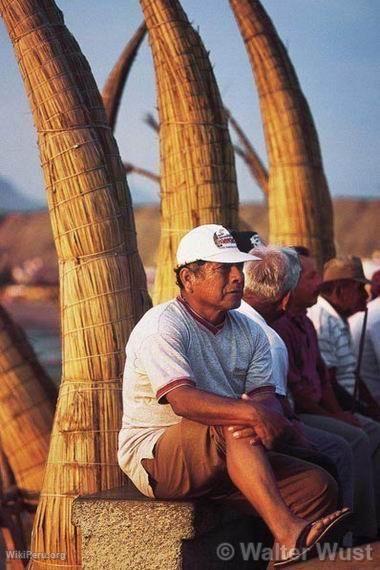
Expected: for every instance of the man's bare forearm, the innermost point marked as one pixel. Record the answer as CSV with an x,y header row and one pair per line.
x,y
203,407
211,409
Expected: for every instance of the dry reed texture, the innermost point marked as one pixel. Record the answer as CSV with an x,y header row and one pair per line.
x,y
198,179
300,209
7,478
102,281
27,404
113,88
248,153
16,514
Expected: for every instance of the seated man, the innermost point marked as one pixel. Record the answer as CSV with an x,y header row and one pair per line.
x,y
342,295
191,364
370,367
267,289
314,398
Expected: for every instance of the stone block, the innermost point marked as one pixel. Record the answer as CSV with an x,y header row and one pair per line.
x,y
124,530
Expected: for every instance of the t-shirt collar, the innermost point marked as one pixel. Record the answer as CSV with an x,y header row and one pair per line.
x,y
322,302
211,327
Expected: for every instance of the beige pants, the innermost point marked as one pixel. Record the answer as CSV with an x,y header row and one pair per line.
x,y
190,462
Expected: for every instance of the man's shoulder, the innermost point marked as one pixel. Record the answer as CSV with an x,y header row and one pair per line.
x,y
284,325
324,317
243,316
158,318
374,309
274,338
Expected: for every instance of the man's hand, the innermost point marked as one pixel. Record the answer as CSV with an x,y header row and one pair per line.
x,y
270,425
346,417
239,432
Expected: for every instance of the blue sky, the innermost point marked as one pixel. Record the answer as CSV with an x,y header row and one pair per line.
x,y
334,45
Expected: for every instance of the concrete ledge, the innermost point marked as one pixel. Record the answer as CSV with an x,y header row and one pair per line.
x,y
123,529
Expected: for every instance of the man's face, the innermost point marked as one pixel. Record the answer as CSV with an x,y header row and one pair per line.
x,y
219,286
307,290
351,297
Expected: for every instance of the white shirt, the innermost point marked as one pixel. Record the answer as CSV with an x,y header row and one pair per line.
x,y
370,366
172,346
279,352
335,343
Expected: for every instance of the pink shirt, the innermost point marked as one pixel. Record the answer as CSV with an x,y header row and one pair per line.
x,y
307,372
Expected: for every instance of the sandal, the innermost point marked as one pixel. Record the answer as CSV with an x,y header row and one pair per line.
x,y
332,533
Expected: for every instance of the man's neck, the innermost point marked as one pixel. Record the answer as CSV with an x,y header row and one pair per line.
x,y
261,308
210,314
343,315
296,309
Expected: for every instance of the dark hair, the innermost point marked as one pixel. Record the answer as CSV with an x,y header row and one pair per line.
x,y
195,267
302,250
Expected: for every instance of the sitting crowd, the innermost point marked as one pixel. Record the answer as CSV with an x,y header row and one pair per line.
x,y
247,387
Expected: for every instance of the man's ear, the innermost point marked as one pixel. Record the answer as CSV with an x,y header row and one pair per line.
x,y
187,278
285,301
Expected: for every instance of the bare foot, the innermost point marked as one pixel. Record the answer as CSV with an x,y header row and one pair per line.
x,y
302,535
319,526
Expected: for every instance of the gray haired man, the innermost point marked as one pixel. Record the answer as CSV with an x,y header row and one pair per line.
x,y
268,284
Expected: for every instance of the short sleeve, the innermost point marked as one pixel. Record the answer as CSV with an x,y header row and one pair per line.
x,y
328,335
259,374
163,359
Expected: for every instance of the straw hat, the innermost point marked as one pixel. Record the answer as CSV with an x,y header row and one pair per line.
x,y
344,268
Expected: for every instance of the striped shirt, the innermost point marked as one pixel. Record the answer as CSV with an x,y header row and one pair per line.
x,y
370,367
335,342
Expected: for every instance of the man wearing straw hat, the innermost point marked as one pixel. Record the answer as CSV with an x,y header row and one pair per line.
x,y
200,413
343,294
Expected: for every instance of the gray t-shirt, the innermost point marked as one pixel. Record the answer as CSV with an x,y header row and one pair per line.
x,y
172,346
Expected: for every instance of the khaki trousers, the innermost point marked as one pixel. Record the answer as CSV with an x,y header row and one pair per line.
x,y
190,462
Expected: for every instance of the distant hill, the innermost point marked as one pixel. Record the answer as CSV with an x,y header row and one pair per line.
x,y
356,226
26,235
11,199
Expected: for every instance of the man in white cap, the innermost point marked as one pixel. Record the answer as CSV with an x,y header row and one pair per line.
x,y
200,414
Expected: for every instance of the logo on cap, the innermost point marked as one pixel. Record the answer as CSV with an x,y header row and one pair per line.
x,y
223,239
255,240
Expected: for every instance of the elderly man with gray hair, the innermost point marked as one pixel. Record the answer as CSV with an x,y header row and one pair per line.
x,y
268,285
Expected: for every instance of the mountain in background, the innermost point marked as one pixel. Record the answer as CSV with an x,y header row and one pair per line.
x,y
12,200
25,235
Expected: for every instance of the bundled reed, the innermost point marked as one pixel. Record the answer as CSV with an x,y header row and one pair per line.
x,y
198,179
102,281
16,514
7,479
248,153
116,80
27,404
300,209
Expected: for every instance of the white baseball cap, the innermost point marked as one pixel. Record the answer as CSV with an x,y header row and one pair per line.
x,y
210,242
